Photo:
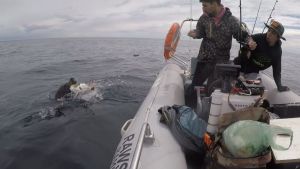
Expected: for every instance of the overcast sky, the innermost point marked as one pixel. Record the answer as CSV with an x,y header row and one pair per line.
x,y
27,19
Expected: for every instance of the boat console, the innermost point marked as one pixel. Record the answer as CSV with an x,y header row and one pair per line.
x,y
233,95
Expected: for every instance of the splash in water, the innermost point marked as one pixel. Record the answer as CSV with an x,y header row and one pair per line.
x,y
44,114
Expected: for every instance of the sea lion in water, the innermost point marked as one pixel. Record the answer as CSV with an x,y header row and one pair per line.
x,y
65,89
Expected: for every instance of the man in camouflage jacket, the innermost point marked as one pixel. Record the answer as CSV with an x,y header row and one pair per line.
x,y
216,27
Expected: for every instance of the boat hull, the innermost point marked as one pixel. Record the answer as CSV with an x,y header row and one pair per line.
x,y
162,151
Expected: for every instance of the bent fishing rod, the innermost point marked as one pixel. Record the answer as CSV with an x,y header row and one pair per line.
x,y
270,15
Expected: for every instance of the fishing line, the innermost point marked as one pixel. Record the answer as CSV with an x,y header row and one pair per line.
x,y
256,16
240,36
190,38
191,13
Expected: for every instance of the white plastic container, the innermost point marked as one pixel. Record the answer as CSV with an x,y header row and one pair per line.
x,y
215,111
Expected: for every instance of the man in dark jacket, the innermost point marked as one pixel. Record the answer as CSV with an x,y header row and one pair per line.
x,y
216,27
65,89
265,51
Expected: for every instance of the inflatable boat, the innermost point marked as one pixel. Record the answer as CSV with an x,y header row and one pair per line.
x,y
147,143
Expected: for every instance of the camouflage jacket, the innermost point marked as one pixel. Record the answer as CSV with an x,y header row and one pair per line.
x,y
217,39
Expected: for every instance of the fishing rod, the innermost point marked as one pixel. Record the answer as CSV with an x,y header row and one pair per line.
x,y
240,23
270,15
191,13
256,16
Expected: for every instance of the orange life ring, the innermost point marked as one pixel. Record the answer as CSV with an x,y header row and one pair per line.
x,y
171,41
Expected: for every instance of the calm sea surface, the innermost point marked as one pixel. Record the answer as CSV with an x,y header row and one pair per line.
x,y
84,137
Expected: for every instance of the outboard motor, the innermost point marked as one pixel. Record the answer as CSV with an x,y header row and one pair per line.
x,y
222,100
228,73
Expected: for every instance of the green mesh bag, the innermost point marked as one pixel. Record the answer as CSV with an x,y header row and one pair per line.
x,y
249,138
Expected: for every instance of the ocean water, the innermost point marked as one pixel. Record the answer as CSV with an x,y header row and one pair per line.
x,y
84,137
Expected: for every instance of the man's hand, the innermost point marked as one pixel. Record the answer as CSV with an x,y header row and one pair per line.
x,y
252,44
283,88
192,33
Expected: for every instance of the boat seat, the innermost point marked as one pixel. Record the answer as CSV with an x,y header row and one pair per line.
x,y
286,111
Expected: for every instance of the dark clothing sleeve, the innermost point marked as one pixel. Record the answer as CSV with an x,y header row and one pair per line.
x,y
200,29
257,37
276,66
242,59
